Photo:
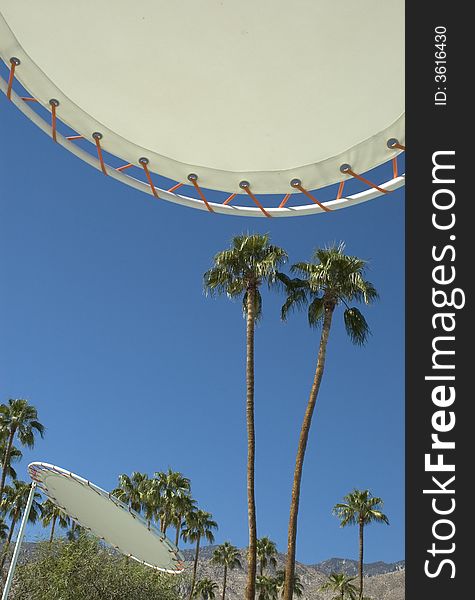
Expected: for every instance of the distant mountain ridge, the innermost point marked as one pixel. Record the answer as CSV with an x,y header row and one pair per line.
x,y
331,565
350,567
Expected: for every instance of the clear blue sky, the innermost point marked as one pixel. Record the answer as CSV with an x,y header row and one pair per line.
x,y
105,328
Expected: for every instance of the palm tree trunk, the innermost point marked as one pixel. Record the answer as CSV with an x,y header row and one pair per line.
x,y
53,525
302,446
6,460
7,544
177,534
261,568
251,504
360,566
195,567
225,579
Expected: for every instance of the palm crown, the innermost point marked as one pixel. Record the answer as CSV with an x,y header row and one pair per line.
x,y
332,278
342,585
227,555
249,262
16,499
199,524
266,553
131,490
205,588
360,507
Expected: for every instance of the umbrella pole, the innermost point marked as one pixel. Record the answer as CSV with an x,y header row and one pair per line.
x,y
21,535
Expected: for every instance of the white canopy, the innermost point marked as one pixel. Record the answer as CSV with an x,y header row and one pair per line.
x,y
106,517
265,91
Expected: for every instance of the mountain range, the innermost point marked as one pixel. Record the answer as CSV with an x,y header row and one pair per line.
x,y
383,581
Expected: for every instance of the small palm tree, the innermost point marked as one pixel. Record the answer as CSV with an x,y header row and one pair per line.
x,y
267,588
13,505
73,533
266,554
183,504
341,584
297,587
227,556
52,514
205,589
199,524
172,485
18,419
360,508
131,489
151,500
240,271
330,280
15,456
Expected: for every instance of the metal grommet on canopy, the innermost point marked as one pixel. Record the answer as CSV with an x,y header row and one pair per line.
x,y
243,122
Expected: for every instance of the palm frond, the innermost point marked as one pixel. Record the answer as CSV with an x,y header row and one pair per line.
x,y
356,326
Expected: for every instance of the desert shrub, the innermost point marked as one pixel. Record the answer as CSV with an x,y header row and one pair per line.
x,y
85,569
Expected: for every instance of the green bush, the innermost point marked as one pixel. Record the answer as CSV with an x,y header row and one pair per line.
x,y
86,570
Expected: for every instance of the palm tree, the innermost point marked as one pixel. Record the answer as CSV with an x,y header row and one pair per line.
x,y
199,524
227,556
297,587
205,589
17,419
3,530
73,533
151,500
183,504
52,514
266,554
131,489
267,588
360,508
172,485
330,280
13,505
240,271
15,456
341,584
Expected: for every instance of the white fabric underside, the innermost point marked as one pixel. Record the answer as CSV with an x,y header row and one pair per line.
x,y
86,504
262,90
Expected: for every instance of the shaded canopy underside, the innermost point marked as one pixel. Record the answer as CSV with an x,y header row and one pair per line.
x,y
107,518
260,90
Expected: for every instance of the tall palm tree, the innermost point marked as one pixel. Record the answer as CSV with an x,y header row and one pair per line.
x,y
131,489
183,504
18,419
51,514
227,556
266,554
199,524
205,589
330,280
13,505
360,508
342,585
297,587
240,271
172,484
